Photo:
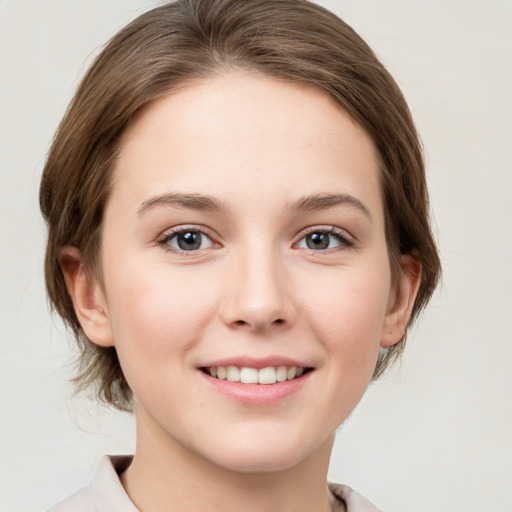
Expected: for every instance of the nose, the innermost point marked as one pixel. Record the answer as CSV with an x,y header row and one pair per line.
x,y
259,293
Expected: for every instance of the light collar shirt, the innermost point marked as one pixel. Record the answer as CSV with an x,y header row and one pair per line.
x,y
106,493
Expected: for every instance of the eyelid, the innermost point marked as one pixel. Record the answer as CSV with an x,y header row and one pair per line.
x,y
169,233
345,238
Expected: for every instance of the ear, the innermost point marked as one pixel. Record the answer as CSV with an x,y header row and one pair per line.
x,y
401,302
88,298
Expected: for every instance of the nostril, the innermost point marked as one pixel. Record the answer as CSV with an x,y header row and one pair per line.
x,y
256,325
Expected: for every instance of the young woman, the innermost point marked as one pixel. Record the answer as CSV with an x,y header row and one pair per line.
x,y
239,239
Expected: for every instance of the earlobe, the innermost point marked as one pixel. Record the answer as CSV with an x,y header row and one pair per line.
x,y
401,302
88,298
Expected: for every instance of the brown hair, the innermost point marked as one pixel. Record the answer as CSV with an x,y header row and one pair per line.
x,y
165,48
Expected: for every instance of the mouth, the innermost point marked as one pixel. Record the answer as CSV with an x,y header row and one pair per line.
x,y
250,375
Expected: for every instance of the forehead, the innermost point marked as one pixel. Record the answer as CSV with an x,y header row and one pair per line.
x,y
240,133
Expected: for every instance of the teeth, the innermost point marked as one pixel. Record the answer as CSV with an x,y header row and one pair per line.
x,y
267,375
247,375
281,373
233,374
291,373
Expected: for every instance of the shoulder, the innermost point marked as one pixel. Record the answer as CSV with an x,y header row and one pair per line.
x,y
81,501
104,494
349,500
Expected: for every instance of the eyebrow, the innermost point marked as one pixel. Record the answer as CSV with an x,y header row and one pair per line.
x,y
319,202
312,203
193,201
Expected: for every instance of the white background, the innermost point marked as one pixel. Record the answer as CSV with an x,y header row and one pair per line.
x,y
436,433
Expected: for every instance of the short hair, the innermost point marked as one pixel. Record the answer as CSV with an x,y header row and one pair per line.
x,y
183,41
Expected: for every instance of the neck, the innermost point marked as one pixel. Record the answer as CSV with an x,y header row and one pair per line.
x,y
167,476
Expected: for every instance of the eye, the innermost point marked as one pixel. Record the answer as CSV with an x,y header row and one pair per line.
x,y
187,240
323,239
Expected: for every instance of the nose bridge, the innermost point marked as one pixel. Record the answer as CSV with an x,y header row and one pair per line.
x,y
258,296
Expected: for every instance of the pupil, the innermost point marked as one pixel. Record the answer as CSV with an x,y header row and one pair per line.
x,y
189,241
317,241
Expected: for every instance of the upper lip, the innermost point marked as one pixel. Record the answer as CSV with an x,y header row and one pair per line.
x,y
256,362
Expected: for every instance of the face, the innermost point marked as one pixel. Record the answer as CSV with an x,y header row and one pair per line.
x,y
244,239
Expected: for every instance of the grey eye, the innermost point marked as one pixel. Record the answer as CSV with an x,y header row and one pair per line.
x,y
320,240
190,241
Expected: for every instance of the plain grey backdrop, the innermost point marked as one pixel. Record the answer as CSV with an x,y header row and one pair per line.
x,y
436,433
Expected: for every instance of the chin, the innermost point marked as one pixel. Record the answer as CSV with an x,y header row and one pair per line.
x,y
259,463
260,456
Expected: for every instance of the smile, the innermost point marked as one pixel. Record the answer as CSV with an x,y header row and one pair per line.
x,y
249,375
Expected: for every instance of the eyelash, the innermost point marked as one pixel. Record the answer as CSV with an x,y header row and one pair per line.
x,y
342,237
164,240
345,240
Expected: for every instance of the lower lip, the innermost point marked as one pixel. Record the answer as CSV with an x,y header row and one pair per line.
x,y
256,394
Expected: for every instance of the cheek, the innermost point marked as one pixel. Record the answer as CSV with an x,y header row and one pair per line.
x,y
347,317
158,311
348,309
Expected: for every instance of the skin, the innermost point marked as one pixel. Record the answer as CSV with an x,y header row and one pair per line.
x,y
254,288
